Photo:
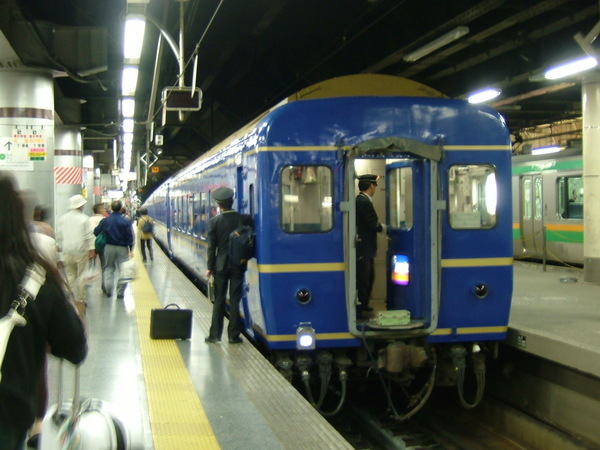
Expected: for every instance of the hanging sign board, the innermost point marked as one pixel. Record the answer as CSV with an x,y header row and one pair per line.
x,y
181,98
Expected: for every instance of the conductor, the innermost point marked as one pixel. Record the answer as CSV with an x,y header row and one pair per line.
x,y
219,229
367,227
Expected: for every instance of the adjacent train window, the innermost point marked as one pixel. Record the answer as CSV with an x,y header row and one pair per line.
x,y
401,198
570,197
538,198
306,199
526,189
472,196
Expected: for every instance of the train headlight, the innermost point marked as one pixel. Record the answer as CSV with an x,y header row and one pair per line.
x,y
305,337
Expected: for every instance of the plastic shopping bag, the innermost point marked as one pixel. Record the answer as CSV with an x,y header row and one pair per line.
x,y
129,270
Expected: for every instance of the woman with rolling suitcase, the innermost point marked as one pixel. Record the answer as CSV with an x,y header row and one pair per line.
x,y
48,320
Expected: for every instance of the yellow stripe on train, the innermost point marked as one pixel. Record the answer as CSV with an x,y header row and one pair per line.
x,y
477,262
469,330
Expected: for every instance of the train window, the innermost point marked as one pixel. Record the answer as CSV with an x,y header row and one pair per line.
x,y
201,217
401,198
526,189
538,198
193,207
570,197
306,199
472,196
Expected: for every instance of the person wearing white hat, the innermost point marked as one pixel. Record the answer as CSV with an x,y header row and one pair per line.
x,y
76,243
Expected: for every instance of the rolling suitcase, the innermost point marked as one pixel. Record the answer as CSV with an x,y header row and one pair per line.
x,y
81,423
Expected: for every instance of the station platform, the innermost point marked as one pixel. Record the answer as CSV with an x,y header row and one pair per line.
x,y
556,315
186,394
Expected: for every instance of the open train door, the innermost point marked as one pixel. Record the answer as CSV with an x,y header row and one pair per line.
x,y
413,254
410,247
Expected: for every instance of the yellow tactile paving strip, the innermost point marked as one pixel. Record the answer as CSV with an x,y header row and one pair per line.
x,y
177,417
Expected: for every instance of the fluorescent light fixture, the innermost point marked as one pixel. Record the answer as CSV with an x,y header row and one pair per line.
x,y
127,138
134,37
571,68
129,80
445,39
128,125
546,150
128,107
484,95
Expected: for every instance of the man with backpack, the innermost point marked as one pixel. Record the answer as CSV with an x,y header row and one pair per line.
x,y
224,269
145,226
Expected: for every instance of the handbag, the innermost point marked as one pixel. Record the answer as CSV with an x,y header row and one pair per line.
x,y
35,276
92,273
166,323
100,242
128,270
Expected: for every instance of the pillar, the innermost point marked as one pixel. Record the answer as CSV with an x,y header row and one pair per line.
x,y
591,176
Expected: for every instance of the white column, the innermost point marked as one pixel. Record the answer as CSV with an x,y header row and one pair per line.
x,y
68,167
27,130
591,176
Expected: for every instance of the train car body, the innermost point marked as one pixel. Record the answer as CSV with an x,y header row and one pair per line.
x,y
548,207
446,260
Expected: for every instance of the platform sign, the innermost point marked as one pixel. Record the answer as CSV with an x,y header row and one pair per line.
x,y
25,145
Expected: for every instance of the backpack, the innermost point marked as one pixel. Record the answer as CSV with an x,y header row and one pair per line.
x,y
241,246
148,227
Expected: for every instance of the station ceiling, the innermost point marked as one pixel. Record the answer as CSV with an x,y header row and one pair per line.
x,y
253,53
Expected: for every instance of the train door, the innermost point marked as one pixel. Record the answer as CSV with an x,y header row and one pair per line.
x,y
532,218
409,255
412,210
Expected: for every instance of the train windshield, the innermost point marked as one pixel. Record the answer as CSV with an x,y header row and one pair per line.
x,y
306,199
472,196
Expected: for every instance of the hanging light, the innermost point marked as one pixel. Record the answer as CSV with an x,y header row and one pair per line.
x,y
129,80
135,27
571,68
484,95
432,46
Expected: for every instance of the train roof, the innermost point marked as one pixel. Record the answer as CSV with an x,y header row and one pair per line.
x,y
358,85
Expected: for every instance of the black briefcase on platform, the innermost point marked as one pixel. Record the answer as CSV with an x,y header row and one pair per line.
x,y
171,323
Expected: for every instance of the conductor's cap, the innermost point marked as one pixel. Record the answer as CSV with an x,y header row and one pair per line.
x,y
369,177
223,194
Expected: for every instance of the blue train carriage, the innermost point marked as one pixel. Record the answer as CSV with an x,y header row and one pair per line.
x,y
444,268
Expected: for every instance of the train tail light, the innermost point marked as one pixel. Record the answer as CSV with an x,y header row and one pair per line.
x,y
400,270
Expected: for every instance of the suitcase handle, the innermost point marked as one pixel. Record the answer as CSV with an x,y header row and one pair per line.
x,y
76,397
172,304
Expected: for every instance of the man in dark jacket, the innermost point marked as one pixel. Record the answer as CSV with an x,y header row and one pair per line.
x,y
367,227
119,244
219,229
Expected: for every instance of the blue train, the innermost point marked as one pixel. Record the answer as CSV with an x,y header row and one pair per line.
x,y
443,280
